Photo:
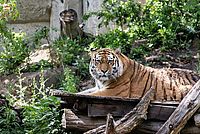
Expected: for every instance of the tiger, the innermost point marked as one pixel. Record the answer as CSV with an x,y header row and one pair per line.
x,y
116,75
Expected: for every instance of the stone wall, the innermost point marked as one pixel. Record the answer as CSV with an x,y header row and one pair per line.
x,y
35,14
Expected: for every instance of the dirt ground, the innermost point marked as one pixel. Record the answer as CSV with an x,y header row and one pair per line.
x,y
186,59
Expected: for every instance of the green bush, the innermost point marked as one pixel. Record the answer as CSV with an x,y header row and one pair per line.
x,y
40,113
69,81
119,12
170,24
9,121
13,53
114,39
164,24
67,50
42,117
13,49
73,53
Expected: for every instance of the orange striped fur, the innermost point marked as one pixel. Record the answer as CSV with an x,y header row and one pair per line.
x,y
117,75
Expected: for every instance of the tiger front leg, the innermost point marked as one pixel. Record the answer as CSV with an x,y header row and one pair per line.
x,y
88,91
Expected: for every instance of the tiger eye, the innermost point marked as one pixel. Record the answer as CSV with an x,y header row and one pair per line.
x,y
110,61
97,62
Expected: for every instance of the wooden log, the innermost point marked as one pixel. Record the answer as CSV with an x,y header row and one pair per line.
x,y
132,119
152,126
110,125
70,120
187,107
197,119
147,127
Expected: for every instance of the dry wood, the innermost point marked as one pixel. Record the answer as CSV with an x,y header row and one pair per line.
x,y
110,125
132,119
70,120
188,106
197,119
151,127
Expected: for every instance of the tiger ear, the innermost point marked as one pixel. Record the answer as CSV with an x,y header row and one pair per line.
x,y
92,50
118,51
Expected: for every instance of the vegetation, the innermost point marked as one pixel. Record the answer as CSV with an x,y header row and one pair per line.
x,y
163,24
13,48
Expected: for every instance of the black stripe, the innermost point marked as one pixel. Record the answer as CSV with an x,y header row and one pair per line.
x,y
184,79
145,87
156,83
133,68
178,76
170,79
170,86
174,90
182,95
138,72
163,87
174,93
118,94
194,78
144,72
117,60
188,76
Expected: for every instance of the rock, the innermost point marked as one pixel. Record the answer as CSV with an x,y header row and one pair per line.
x,y
11,82
33,11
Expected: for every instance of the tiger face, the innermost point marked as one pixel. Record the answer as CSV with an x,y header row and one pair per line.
x,y
105,65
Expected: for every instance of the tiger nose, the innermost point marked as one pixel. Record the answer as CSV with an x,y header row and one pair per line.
x,y
104,71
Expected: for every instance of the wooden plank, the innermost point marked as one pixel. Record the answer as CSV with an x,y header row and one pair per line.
x,y
132,119
160,112
157,112
100,106
101,110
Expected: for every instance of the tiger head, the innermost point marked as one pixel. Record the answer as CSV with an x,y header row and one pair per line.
x,y
105,64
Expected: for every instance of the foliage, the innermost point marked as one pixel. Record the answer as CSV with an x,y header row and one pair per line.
x,y
114,39
14,51
67,50
164,24
69,81
41,113
13,47
9,121
40,34
8,10
42,117
72,53
117,11
170,24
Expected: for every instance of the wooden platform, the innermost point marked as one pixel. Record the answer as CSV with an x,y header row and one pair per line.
x,y
93,110
95,106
